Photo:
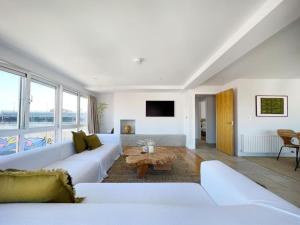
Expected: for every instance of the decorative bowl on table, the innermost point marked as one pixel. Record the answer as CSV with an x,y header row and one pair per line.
x,y
147,145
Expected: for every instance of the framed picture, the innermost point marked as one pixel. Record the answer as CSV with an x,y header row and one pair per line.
x,y
271,105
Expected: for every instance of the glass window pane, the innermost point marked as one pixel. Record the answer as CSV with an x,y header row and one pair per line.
x,y
10,100
40,139
69,108
8,145
83,110
67,134
85,129
42,105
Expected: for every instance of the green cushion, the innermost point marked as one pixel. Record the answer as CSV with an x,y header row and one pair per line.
x,y
36,186
79,141
92,141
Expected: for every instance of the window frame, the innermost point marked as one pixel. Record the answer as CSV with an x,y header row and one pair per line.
x,y
23,127
22,76
20,117
27,97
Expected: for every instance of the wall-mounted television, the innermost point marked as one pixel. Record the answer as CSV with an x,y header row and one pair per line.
x,y
159,108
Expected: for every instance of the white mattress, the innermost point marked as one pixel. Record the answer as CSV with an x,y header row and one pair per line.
x,y
184,194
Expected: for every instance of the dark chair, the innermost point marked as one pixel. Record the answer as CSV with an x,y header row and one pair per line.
x,y
287,136
298,158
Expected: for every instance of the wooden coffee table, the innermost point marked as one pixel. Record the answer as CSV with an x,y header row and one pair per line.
x,y
161,159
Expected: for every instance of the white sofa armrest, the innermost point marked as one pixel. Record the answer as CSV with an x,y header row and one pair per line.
x,y
228,187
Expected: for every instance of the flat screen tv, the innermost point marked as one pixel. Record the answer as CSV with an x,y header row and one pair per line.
x,y
159,108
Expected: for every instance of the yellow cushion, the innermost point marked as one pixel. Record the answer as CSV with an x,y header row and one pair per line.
x,y
92,141
36,186
79,142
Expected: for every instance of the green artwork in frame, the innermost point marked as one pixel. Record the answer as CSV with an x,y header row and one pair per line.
x,y
272,105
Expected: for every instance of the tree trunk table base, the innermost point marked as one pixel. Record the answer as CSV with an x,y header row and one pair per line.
x,y
142,170
165,167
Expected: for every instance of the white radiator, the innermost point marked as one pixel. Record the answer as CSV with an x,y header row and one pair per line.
x,y
260,143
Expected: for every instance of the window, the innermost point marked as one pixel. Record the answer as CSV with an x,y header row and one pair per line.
x,y
85,129
8,145
42,105
67,134
40,139
10,86
69,113
30,115
71,108
83,113
41,131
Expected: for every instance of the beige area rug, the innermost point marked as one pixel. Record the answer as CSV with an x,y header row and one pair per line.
x,y
181,171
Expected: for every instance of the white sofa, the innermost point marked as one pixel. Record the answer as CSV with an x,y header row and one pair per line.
x,y
228,187
224,197
88,166
245,190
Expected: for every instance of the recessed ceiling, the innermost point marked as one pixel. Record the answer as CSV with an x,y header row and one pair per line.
x,y
94,42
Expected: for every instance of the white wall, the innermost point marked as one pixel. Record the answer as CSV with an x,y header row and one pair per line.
x,y
190,112
200,113
206,108
203,109
210,119
189,118
128,105
247,124
197,120
132,105
247,89
262,129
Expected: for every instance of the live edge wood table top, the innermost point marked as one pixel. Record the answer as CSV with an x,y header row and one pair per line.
x,y
161,159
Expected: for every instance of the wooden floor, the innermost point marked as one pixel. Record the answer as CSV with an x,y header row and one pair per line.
x,y
277,176
193,159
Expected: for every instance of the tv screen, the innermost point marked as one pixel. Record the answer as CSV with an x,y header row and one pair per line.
x,y
159,108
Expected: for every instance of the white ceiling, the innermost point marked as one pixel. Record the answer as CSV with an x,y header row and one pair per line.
x,y
277,57
95,41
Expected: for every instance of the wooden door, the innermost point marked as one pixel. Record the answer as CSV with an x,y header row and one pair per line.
x,y
225,121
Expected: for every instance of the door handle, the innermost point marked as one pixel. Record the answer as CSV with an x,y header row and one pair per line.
x,y
230,123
